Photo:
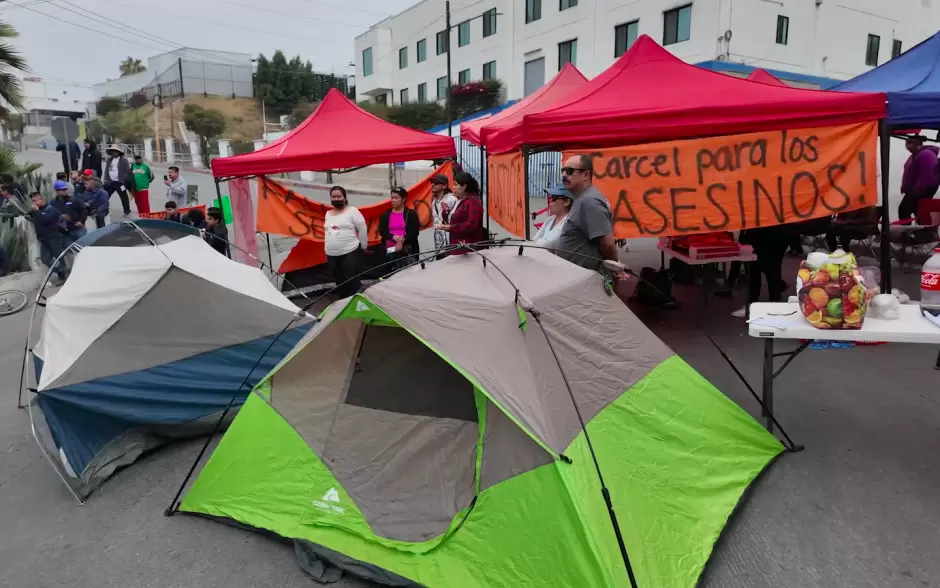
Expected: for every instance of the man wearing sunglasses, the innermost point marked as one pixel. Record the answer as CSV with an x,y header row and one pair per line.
x,y
588,234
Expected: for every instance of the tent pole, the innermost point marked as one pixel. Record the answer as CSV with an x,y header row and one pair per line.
x,y
218,198
587,438
884,135
484,181
267,238
525,191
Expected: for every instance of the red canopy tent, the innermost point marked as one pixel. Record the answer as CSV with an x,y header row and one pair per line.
x,y
549,95
650,95
338,135
764,77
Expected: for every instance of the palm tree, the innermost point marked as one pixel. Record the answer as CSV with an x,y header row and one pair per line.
x,y
131,66
10,61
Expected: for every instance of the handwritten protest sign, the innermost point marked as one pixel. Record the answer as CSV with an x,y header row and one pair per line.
x,y
282,212
738,181
505,191
161,214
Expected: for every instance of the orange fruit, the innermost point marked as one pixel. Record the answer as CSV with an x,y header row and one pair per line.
x,y
818,297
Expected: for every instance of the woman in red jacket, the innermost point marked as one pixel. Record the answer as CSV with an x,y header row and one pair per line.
x,y
465,224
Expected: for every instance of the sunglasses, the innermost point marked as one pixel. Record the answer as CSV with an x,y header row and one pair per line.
x,y
568,171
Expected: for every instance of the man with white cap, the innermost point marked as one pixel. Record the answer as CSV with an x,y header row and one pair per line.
x,y
116,175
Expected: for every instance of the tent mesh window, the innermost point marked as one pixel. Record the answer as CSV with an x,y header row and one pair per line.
x,y
395,424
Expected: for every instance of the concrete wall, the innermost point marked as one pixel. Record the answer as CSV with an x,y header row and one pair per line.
x,y
826,37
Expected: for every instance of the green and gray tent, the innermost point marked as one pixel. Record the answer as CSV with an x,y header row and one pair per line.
x,y
424,433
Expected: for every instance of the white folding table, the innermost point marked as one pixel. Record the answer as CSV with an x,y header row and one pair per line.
x,y
912,327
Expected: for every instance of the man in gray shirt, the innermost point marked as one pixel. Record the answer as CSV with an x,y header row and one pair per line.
x,y
588,234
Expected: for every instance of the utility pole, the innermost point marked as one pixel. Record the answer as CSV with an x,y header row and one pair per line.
x,y
448,105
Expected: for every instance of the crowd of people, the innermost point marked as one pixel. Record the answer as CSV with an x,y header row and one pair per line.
x,y
580,227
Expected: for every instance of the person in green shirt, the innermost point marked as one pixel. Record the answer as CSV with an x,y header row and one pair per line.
x,y
142,177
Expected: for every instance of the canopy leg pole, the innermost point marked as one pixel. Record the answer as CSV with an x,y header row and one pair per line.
x,y
267,239
525,192
884,136
587,438
485,186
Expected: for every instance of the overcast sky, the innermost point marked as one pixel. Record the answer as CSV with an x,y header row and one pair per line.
x,y
87,49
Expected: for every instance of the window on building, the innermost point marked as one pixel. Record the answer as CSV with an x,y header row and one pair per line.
x,y
677,25
423,92
367,62
403,96
783,29
442,88
489,70
896,48
489,22
463,76
422,50
403,58
463,33
624,36
533,10
565,4
567,53
442,42
871,52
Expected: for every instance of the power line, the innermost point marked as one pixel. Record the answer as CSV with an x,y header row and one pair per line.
x,y
112,35
385,14
312,18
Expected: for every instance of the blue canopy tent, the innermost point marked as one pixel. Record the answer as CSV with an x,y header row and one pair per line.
x,y
911,82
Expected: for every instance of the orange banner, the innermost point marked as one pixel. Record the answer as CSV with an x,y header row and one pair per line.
x,y
505,191
738,181
283,212
161,214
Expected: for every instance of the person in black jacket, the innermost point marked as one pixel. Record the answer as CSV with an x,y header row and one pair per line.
x,y
91,157
50,232
71,153
216,232
399,228
73,210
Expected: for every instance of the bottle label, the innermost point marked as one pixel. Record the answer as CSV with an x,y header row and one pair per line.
x,y
930,281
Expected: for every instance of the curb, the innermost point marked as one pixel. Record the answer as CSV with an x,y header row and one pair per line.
x,y
298,183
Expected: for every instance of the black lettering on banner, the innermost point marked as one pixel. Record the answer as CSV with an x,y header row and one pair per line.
x,y
737,153
833,171
760,192
591,157
674,193
675,161
613,169
503,177
639,162
646,200
658,161
741,210
861,167
783,147
760,148
716,204
624,203
796,150
703,160
812,153
793,194
307,224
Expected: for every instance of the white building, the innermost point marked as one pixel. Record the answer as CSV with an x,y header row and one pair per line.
x,y
44,100
525,42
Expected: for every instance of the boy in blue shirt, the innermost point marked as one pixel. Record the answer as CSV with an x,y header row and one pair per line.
x,y
50,232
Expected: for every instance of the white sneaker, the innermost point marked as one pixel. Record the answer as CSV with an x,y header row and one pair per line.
x,y
740,313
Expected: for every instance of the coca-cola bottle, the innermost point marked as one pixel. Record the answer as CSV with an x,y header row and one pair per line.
x,y
930,284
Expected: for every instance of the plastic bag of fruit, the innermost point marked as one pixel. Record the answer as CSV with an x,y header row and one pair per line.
x,y
832,291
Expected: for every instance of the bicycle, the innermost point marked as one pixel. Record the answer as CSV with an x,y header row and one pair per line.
x,y
12,301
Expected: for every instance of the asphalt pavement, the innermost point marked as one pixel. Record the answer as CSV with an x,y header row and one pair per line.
x,y
859,508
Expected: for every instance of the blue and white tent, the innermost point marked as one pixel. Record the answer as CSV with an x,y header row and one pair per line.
x,y
145,344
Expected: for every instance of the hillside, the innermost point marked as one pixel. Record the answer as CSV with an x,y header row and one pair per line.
x,y
242,115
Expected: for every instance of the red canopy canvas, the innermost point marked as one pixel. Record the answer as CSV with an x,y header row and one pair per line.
x,y
337,135
548,96
649,95
762,76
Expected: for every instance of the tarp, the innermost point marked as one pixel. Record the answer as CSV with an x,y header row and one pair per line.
x,y
762,76
338,135
650,95
549,95
912,83
283,212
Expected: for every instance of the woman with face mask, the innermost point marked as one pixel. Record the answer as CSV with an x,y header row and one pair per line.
x,y
345,236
